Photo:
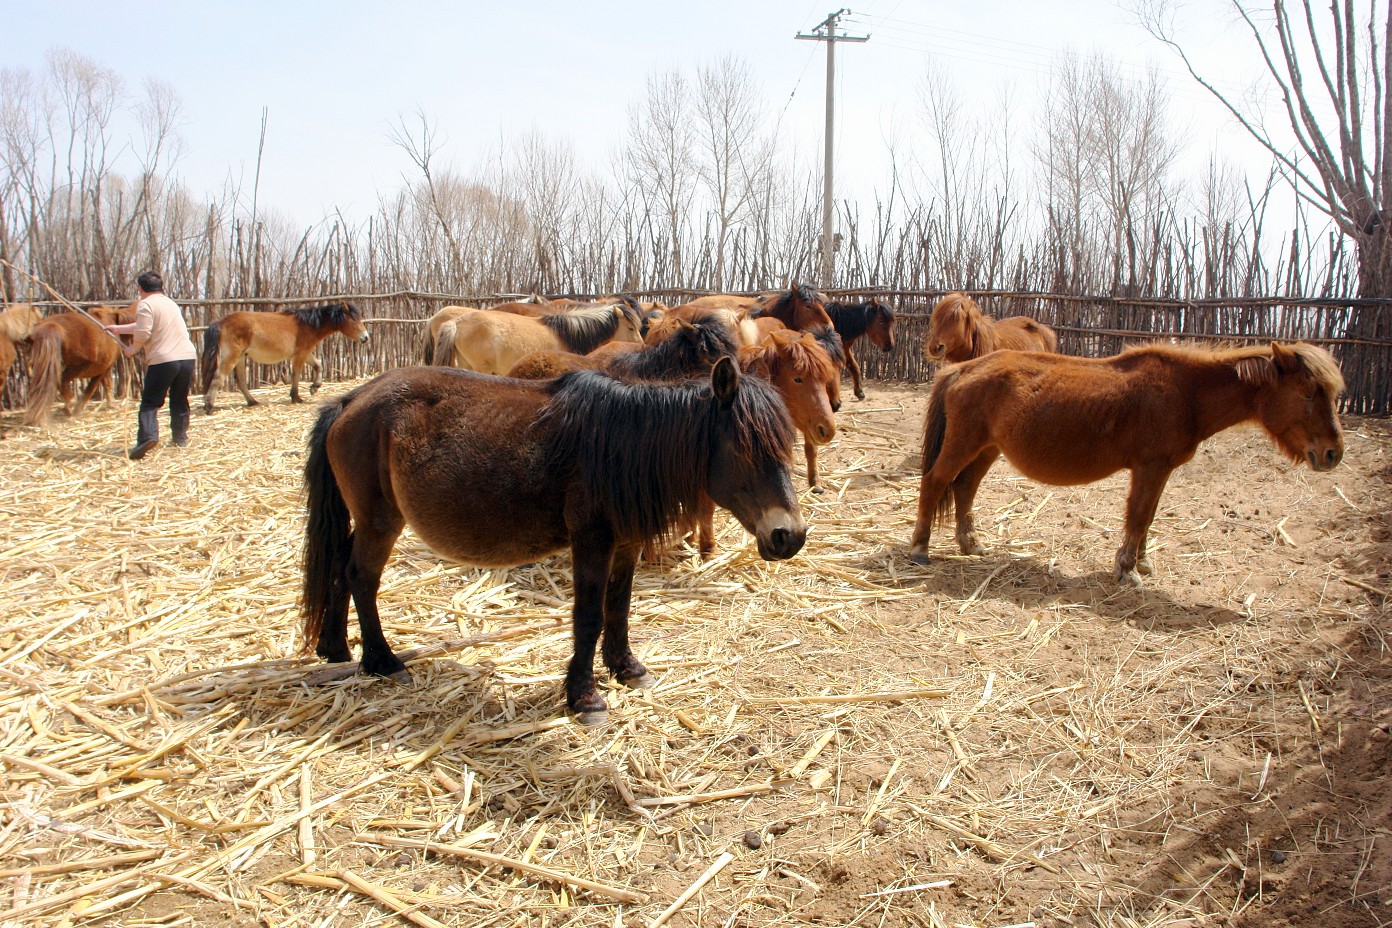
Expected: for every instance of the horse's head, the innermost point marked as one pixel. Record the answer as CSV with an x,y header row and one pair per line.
x,y
749,467
1298,404
950,329
652,316
880,325
628,324
804,375
352,325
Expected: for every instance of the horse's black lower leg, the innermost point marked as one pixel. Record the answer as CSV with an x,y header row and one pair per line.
x,y
854,367
618,654
371,548
592,553
333,636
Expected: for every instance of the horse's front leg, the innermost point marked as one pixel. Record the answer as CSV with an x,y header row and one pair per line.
x,y
592,556
93,386
1141,503
295,366
809,451
933,500
853,366
618,654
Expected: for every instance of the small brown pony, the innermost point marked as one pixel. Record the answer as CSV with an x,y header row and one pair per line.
x,y
16,325
1066,421
871,318
67,347
959,331
492,342
497,472
269,338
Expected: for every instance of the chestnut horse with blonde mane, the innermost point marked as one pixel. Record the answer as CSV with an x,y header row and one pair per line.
x,y
269,338
959,331
1065,421
67,347
497,472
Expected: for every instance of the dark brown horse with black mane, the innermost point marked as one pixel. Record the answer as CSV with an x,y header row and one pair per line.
x,y
269,338
71,346
873,319
1065,421
497,472
802,308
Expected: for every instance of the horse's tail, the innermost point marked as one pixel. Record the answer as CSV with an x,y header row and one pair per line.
x,y
328,534
46,375
935,431
443,355
212,345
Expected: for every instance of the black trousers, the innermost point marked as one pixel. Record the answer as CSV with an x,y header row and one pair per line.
x,y
172,379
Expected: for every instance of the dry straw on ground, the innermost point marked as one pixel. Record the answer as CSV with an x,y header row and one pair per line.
x,y
842,739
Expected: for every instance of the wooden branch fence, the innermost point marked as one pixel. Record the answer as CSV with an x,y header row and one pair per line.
x,y
1091,326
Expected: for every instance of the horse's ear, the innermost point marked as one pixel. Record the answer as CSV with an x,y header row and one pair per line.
x,y
725,381
1286,360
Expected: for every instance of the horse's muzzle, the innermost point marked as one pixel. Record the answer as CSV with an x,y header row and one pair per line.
x,y
1326,461
822,433
781,537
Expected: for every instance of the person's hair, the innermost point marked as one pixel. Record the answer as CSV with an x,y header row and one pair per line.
x,y
150,282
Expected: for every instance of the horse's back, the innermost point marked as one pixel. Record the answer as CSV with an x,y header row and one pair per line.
x,y
540,365
1022,333
492,342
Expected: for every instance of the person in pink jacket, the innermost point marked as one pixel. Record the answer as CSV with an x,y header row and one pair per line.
x,y
160,331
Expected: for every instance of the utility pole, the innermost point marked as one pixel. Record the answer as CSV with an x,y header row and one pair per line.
x,y
826,32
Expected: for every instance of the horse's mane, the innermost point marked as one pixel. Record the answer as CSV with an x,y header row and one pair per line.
x,y
1254,363
782,306
644,450
801,350
584,330
983,336
681,348
328,314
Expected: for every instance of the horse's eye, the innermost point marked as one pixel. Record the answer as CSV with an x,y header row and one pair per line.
x,y
797,380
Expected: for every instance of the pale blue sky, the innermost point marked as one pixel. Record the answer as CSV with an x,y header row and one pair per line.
x,y
335,76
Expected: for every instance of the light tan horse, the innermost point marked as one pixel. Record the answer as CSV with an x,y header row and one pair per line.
x,y
959,331
492,342
269,338
439,345
1067,421
16,325
67,347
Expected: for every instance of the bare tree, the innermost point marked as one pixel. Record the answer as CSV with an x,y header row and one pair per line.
x,y
661,140
735,155
1332,76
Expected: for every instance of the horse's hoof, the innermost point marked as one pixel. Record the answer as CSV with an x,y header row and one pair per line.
x,y
1143,567
970,546
1128,578
208,410
402,676
644,681
860,396
818,490
592,717
919,554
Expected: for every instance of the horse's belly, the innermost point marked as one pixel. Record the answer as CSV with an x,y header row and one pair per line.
x,y
266,354
488,544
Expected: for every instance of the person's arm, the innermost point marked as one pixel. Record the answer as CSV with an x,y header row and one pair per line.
x,y
139,330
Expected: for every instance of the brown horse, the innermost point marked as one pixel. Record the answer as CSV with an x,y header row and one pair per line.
x,y
68,347
1065,421
803,374
873,319
498,472
269,338
16,325
492,342
958,331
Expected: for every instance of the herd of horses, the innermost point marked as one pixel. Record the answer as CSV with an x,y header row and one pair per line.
x,y
614,427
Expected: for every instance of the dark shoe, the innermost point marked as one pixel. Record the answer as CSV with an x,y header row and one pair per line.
x,y
136,452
